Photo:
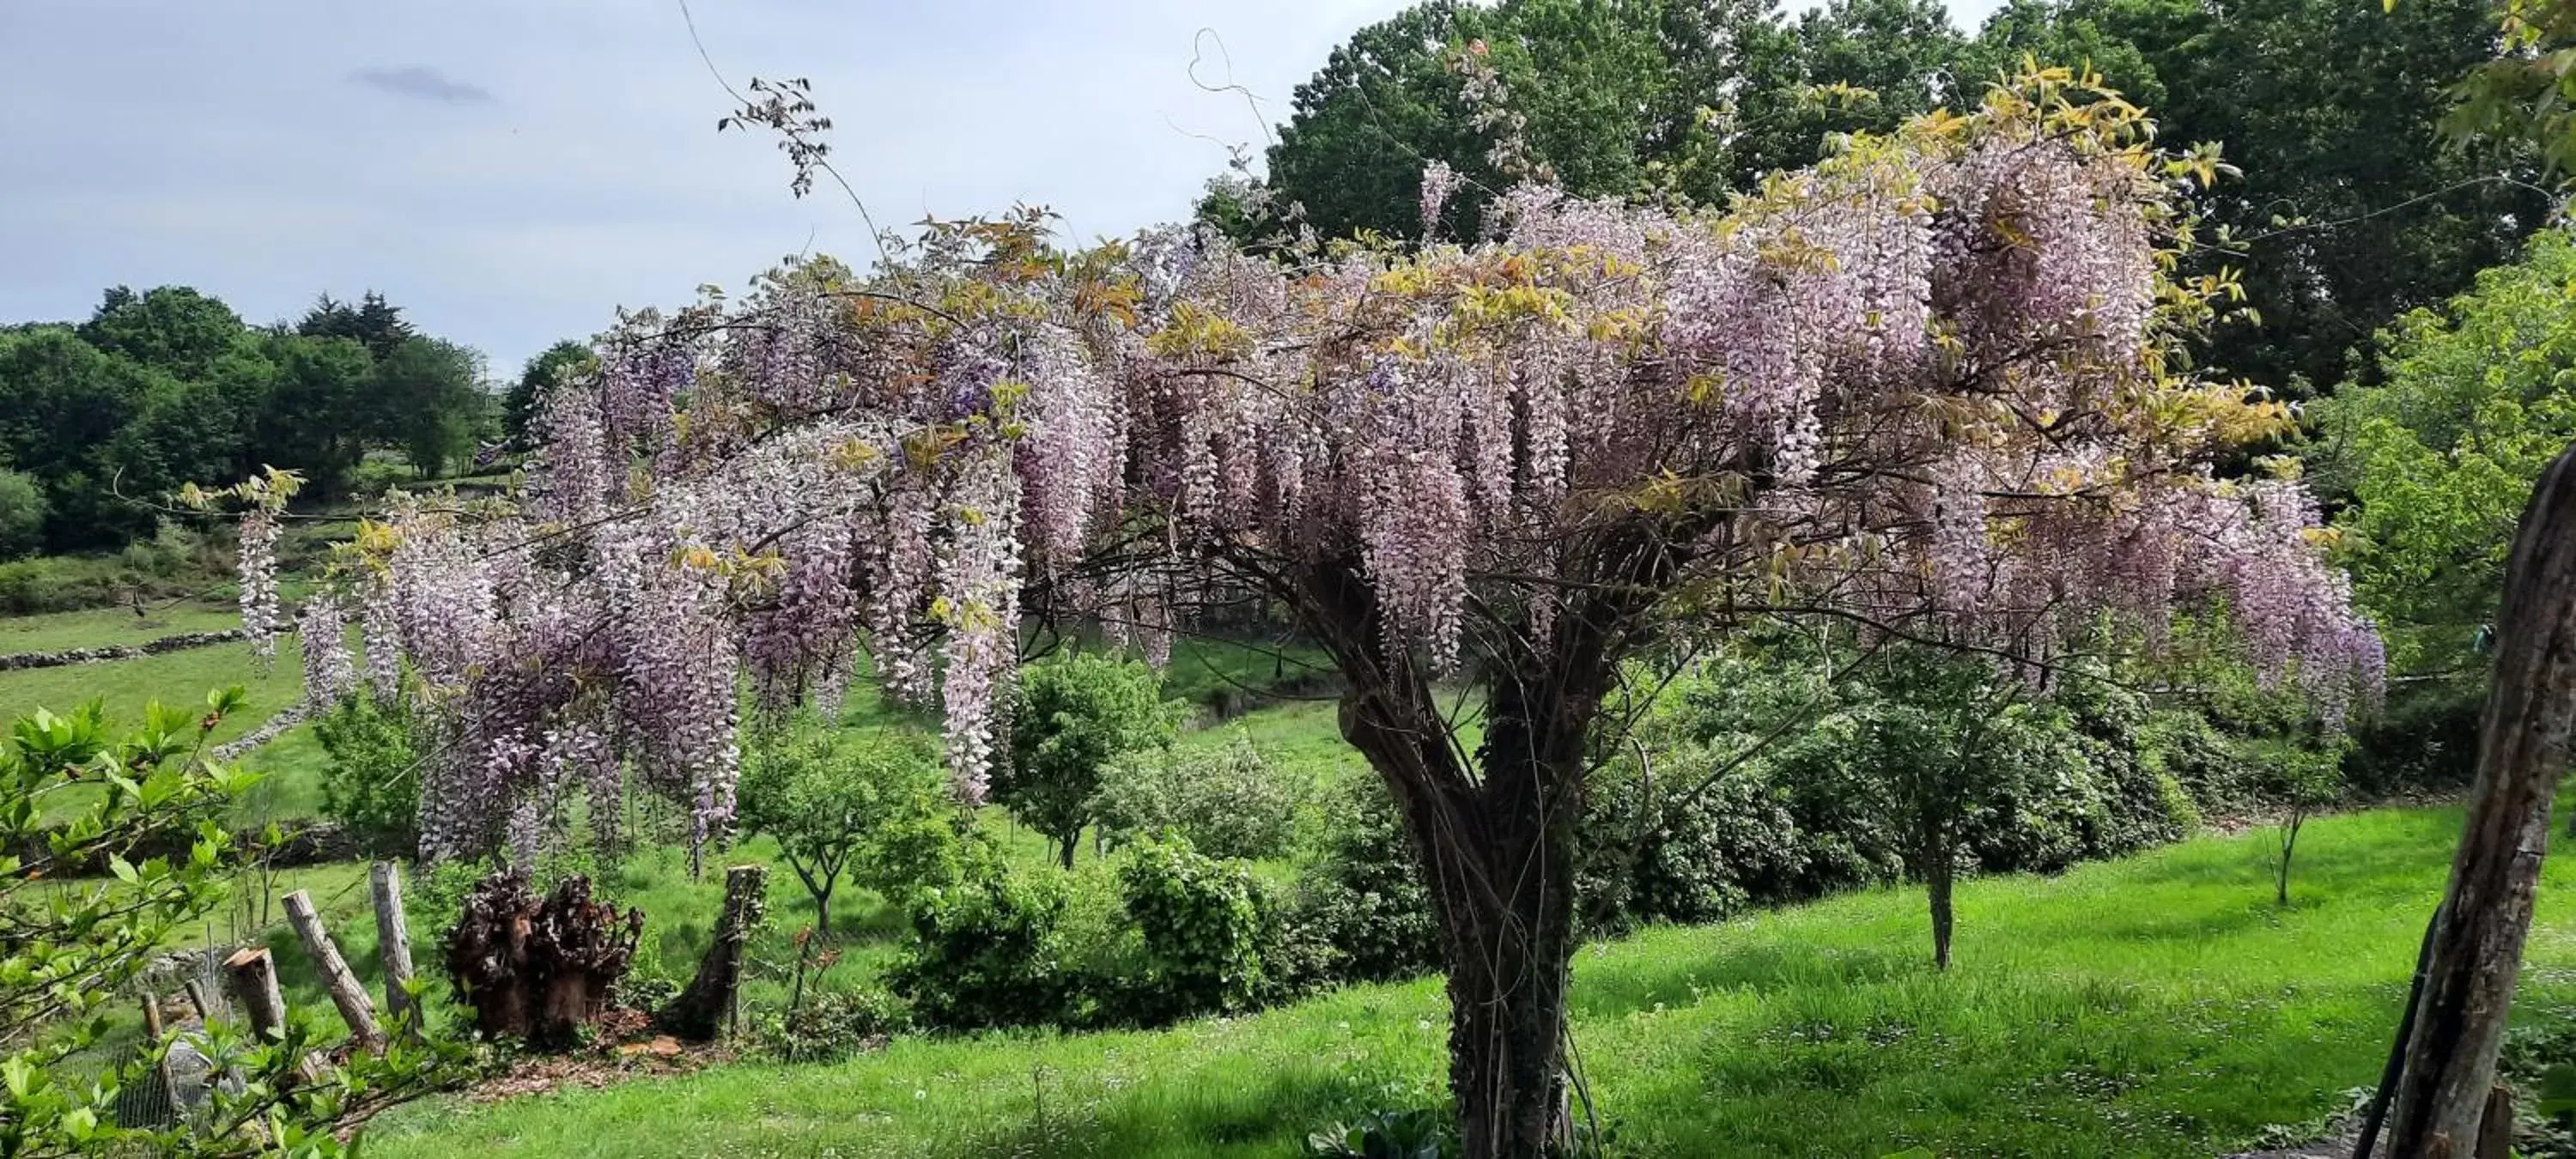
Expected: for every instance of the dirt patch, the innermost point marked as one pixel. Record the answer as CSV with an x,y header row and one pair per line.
x,y
625,1053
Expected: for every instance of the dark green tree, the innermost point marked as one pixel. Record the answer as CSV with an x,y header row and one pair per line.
x,y
428,400
171,328
519,407
2352,209
371,322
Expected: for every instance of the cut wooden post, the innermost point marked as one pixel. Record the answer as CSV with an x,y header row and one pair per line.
x,y
254,979
699,1013
153,1032
347,993
197,1000
2443,1089
393,944
2495,1131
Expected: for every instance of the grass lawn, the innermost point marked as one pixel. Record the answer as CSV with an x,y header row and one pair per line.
x,y
99,627
2157,1006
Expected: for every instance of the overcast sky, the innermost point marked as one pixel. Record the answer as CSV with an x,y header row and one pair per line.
x,y
509,171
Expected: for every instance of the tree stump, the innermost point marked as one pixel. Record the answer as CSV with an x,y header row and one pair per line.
x,y
700,1012
2450,1060
539,970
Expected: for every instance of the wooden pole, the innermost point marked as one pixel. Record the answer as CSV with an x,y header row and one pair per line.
x,y
154,1032
2442,1094
347,993
197,999
393,944
254,979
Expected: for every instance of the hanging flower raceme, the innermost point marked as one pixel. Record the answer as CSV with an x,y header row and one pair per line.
x,y
321,630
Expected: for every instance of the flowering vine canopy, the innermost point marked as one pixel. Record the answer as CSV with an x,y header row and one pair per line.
x,y
1931,386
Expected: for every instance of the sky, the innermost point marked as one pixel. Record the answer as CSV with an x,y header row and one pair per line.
x,y
512,171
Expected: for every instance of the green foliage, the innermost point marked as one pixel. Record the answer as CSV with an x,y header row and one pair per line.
x,y
1229,803
1073,717
23,511
1414,1134
68,948
2441,457
371,787
987,953
868,806
833,1025
1362,898
1201,930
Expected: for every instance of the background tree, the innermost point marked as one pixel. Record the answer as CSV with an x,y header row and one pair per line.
x,y
542,372
22,514
1073,717
842,801
429,400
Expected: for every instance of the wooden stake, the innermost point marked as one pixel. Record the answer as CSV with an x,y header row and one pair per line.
x,y
393,944
154,1032
347,993
254,979
197,999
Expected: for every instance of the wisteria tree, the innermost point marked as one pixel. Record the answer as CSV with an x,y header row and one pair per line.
x,y
1928,388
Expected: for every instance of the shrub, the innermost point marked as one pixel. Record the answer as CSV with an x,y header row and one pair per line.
x,y
1227,803
988,953
371,785
1362,898
833,1025
1201,929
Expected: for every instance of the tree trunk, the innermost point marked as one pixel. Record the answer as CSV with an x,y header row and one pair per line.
x,y
1499,857
700,1012
348,994
1936,882
2486,914
1064,849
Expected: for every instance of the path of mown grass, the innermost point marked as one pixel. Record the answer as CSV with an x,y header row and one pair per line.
x,y
2158,1006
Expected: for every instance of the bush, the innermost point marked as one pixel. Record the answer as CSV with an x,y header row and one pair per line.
x,y
833,1025
1228,803
371,786
1361,900
988,953
1201,929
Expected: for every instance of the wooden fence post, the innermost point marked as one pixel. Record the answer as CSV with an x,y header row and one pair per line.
x,y
393,944
347,993
2442,1093
254,979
